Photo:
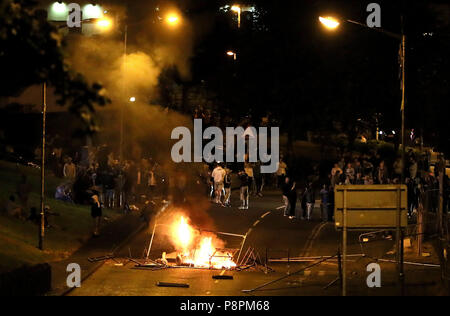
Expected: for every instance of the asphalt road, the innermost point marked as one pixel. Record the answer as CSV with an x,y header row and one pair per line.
x,y
269,232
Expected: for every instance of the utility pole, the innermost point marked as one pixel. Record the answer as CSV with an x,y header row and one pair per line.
x,y
125,89
44,115
441,166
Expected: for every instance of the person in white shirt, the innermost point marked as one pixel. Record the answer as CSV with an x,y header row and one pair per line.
x,y
219,175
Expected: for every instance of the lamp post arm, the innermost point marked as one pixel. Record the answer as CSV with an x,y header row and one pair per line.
x,y
377,29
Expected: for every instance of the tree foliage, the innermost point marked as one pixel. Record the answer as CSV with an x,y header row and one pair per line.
x,y
31,52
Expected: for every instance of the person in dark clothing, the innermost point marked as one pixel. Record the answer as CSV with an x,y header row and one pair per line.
x,y
34,217
259,180
325,203
96,213
330,203
310,200
290,195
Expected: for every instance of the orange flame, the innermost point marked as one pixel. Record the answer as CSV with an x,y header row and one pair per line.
x,y
197,250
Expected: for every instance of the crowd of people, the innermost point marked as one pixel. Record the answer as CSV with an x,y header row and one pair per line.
x,y
219,182
116,184
96,177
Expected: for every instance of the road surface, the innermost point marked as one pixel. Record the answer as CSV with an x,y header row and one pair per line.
x,y
268,232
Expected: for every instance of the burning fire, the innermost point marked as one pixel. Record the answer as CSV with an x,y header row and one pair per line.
x,y
197,249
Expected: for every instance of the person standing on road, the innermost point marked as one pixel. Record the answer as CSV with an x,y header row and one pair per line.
x,y
290,192
330,203
227,186
285,189
96,213
309,199
324,198
281,173
259,180
244,194
251,179
219,175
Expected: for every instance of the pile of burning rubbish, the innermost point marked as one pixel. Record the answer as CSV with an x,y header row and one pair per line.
x,y
196,248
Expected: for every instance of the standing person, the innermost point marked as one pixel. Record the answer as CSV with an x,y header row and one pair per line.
x,y
335,174
96,213
324,198
330,203
251,178
382,173
281,172
413,167
398,168
109,185
70,171
285,189
290,197
350,173
309,197
218,175
151,180
244,195
227,187
259,180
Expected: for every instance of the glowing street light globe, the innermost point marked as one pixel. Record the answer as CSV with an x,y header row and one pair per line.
x,y
92,11
104,24
59,7
236,8
173,19
58,11
329,22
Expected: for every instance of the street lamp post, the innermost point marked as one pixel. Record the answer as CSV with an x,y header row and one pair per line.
x,y
122,108
332,23
42,212
232,54
238,10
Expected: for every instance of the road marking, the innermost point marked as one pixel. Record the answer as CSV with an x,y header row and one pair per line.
x,y
249,231
314,234
256,223
265,215
223,272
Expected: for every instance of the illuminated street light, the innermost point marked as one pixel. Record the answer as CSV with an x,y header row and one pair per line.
x,y
132,99
58,11
329,22
59,7
173,19
232,54
104,24
238,10
92,11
